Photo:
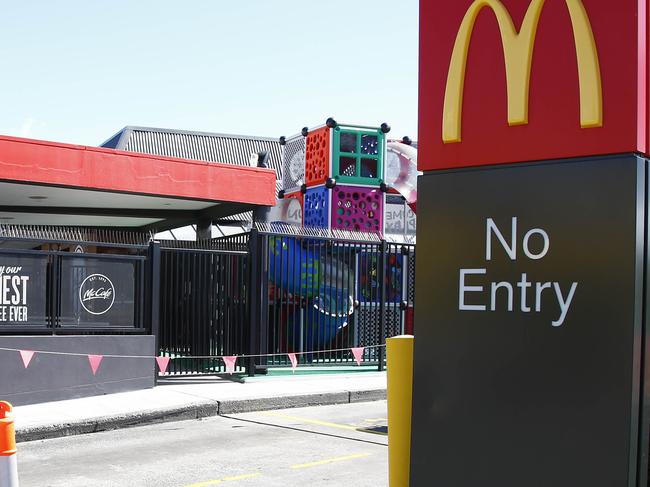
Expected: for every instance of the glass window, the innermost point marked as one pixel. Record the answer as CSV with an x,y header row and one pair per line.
x,y
369,145
348,142
368,168
348,166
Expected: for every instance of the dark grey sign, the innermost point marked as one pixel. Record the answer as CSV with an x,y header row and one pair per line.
x,y
529,325
23,284
97,291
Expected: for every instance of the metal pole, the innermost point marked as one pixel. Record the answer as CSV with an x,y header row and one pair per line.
x,y
381,275
254,299
8,463
263,313
153,299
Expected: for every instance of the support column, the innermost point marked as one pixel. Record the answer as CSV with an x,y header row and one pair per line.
x,y
204,229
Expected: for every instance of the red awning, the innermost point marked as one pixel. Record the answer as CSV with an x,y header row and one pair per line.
x,y
111,187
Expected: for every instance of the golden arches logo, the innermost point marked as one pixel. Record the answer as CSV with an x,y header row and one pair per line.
x,y
518,54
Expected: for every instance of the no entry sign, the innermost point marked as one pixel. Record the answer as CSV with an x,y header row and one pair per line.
x,y
529,333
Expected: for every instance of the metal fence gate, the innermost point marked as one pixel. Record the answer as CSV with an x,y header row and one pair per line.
x,y
203,307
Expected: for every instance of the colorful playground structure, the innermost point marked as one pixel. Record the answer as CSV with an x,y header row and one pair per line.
x,y
341,174
338,178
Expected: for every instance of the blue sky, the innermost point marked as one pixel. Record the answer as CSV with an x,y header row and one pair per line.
x,y
78,71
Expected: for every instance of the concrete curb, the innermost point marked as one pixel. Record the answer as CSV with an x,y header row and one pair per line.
x,y
196,410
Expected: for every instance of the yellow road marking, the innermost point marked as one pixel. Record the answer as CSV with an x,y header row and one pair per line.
x,y
225,479
310,421
374,420
330,460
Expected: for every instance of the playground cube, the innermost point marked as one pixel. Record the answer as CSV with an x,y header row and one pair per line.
x,y
345,207
358,155
347,154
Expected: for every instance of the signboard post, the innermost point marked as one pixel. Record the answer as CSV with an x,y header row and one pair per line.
x,y
529,363
529,331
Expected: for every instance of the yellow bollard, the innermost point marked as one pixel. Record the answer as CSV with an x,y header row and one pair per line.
x,y
399,365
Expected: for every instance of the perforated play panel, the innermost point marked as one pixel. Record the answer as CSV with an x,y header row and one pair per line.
x,y
317,156
317,207
357,208
293,163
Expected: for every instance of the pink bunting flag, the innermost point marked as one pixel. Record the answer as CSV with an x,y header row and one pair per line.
x,y
230,363
95,360
163,363
358,354
26,355
293,360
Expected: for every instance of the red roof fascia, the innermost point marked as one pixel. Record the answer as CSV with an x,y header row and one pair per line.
x,y
53,163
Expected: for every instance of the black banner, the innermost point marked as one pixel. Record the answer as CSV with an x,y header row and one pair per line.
x,y
23,284
98,291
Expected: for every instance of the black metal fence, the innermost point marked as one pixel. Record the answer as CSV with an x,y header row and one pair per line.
x,y
321,296
262,295
268,293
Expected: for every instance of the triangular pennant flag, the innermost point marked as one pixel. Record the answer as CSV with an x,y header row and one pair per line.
x,y
294,361
95,360
230,363
26,355
162,362
358,354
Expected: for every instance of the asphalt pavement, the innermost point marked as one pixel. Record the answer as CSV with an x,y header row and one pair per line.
x,y
335,445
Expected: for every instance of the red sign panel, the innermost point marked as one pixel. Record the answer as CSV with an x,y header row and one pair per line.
x,y
504,81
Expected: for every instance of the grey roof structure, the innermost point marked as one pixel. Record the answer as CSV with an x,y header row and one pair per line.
x,y
200,146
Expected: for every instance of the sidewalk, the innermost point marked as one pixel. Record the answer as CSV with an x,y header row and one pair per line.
x,y
193,397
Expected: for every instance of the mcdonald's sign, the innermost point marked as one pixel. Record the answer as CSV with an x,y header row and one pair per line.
x,y
506,81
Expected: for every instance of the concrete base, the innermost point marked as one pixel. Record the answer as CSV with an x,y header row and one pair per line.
x,y
52,377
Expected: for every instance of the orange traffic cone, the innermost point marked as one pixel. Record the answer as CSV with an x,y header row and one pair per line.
x,y
8,465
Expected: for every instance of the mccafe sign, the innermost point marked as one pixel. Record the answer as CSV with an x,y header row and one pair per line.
x,y
97,294
505,81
